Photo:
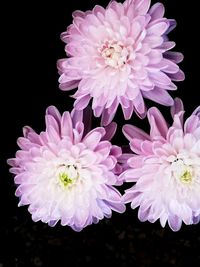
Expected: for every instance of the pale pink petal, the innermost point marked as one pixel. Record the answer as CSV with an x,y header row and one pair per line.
x,y
157,11
177,107
157,122
159,96
131,132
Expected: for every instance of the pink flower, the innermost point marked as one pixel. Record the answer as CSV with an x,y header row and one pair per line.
x,y
67,173
165,169
120,55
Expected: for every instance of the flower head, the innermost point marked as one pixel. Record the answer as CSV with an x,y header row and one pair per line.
x,y
67,172
120,55
165,168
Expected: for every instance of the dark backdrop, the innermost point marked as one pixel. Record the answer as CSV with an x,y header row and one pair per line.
x,y
31,47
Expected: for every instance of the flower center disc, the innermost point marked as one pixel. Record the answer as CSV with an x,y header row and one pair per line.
x,y
67,175
182,172
115,54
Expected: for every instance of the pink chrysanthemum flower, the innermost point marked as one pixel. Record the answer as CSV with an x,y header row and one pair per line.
x,y
120,55
165,169
67,173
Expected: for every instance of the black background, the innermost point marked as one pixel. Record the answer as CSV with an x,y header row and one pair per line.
x,y
31,47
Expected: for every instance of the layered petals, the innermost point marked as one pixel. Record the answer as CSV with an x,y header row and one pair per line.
x,y
119,55
68,172
165,168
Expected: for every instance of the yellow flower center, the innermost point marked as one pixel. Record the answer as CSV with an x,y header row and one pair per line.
x,y
67,175
64,179
182,171
186,177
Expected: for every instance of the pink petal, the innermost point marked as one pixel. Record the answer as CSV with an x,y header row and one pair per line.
x,y
132,132
110,131
191,124
51,110
66,125
128,111
153,41
177,107
132,175
50,120
69,85
92,139
197,112
171,67
167,46
108,114
174,56
174,222
157,123
135,146
136,161
139,105
76,116
142,6
160,96
157,11
53,136
179,76
173,24
158,28
82,102
103,148
160,78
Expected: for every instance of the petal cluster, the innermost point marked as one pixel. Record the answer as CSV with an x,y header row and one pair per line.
x,y
68,172
119,56
165,168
